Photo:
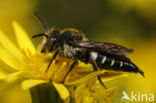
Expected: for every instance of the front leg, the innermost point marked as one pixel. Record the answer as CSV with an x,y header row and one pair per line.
x,y
95,67
54,56
70,69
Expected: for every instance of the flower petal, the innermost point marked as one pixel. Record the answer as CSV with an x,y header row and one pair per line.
x,y
10,47
12,78
17,76
83,65
106,76
9,59
93,93
14,94
3,84
113,76
85,78
63,92
27,84
2,75
22,38
5,69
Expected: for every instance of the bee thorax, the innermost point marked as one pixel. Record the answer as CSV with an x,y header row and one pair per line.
x,y
70,51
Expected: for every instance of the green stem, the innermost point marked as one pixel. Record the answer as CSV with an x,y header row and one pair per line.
x,y
45,93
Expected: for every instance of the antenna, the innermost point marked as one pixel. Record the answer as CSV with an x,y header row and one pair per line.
x,y
40,20
38,35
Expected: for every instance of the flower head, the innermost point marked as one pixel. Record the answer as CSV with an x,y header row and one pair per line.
x,y
27,65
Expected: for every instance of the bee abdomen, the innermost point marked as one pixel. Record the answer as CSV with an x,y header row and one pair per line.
x,y
110,63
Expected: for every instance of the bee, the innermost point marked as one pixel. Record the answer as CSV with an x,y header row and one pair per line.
x,y
72,44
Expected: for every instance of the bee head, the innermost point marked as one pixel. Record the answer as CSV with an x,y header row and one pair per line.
x,y
51,40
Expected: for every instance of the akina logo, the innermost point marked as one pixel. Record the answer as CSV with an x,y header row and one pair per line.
x,y
138,96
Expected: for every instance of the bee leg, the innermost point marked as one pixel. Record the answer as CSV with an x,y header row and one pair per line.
x,y
54,56
95,67
70,69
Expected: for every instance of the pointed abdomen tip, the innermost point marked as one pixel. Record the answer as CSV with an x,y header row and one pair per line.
x,y
142,73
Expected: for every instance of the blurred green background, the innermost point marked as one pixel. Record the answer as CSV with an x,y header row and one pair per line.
x,y
131,23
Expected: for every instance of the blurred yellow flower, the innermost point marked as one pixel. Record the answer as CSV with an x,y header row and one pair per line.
x,y
27,66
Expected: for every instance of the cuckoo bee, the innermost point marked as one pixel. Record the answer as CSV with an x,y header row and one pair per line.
x,y
73,44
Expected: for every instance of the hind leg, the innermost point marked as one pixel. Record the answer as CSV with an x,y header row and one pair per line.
x,y
95,67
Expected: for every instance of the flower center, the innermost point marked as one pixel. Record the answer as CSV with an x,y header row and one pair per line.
x,y
37,64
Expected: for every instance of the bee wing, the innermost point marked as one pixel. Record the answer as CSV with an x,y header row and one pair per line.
x,y
103,47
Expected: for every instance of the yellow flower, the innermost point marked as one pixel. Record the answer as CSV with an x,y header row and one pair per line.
x,y
89,90
26,65
93,93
